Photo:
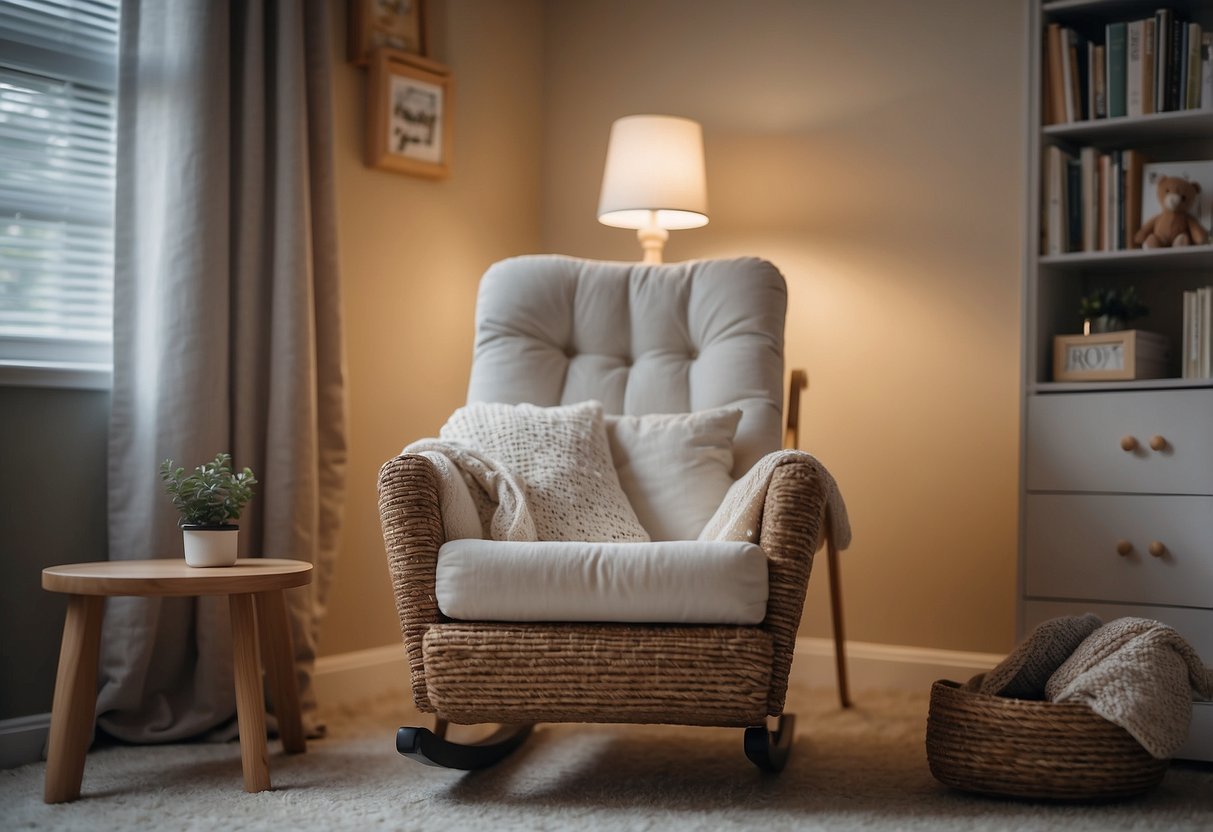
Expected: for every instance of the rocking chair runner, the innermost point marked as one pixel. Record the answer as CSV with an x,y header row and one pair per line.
x,y
642,339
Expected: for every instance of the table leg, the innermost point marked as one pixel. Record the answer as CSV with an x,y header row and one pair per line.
x,y
75,703
250,700
278,654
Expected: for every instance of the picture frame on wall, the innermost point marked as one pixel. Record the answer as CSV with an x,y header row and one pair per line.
x,y
409,105
1200,172
386,24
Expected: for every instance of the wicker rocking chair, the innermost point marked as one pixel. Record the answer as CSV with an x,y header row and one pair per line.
x,y
641,339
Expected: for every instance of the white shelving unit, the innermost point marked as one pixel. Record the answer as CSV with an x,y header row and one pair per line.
x,y
1091,512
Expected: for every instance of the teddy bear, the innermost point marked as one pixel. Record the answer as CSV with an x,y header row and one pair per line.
x,y
1174,226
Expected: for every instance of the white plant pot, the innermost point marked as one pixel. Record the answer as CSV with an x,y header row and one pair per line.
x,y
210,545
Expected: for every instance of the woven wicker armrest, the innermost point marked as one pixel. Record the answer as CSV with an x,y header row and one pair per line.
x,y
411,517
792,525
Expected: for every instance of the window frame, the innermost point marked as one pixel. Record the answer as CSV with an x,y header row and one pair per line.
x,y
49,362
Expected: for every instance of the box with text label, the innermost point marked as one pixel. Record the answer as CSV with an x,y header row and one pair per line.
x,y
1109,356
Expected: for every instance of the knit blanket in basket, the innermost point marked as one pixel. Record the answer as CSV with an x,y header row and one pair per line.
x,y
479,494
1139,674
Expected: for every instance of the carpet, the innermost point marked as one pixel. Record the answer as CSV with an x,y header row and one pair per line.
x,y
863,769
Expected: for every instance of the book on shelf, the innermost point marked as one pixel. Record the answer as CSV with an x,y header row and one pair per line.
x,y
1162,55
1103,197
1133,72
1139,72
1069,83
1056,225
1197,353
1175,62
1115,34
1156,64
1056,84
1088,159
1116,203
1074,205
1192,90
1206,71
1149,66
1097,95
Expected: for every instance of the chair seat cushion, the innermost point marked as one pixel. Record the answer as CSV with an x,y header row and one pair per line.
x,y
676,581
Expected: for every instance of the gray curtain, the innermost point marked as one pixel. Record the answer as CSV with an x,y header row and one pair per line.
x,y
227,331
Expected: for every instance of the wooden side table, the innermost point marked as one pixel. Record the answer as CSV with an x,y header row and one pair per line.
x,y
255,594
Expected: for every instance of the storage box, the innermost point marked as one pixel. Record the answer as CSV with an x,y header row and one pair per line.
x,y
1109,356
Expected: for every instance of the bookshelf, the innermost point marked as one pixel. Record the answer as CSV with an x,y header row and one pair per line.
x,y
1082,495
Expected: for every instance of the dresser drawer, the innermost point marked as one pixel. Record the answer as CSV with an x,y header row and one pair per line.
x,y
1196,626
1071,548
1074,442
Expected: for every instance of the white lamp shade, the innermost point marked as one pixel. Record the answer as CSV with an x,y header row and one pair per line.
x,y
654,164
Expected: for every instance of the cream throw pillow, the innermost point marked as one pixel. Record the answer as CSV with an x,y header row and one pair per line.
x,y
562,456
674,467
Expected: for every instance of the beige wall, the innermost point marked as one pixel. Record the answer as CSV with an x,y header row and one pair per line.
x,y
874,152
412,252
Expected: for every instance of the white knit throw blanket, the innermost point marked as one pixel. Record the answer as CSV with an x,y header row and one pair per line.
x,y
740,514
468,477
1139,674
469,480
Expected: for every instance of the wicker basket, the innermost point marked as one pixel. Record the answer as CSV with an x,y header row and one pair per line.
x,y
1020,748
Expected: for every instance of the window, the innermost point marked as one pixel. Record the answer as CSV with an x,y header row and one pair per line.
x,y
58,82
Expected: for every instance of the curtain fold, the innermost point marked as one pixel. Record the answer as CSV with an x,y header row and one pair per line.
x,y
227,332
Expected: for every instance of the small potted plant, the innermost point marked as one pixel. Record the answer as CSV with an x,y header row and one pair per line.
x,y
208,498
1110,310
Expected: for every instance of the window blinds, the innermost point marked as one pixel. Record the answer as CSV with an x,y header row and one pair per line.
x,y
57,148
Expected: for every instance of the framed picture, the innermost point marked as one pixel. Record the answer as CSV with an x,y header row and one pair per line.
x,y
387,24
409,105
1200,172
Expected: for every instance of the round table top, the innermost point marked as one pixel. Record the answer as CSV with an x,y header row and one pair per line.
x,y
171,576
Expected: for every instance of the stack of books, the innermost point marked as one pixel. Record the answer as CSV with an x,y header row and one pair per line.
x,y
1198,333
1155,65
1093,201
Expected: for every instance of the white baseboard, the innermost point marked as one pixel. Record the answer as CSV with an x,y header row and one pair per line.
x,y
345,678
885,666
22,739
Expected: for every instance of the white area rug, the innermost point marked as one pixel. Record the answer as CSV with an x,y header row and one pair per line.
x,y
861,769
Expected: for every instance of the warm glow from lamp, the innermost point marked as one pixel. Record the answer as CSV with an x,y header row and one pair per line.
x,y
654,179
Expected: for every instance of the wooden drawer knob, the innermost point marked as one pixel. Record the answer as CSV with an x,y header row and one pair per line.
x,y
1157,549
1128,443
1157,442
1124,548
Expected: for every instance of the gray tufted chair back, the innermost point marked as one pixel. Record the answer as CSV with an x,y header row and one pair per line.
x,y
554,330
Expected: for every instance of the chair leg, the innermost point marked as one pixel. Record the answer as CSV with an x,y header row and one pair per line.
x,y
431,748
769,749
840,650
